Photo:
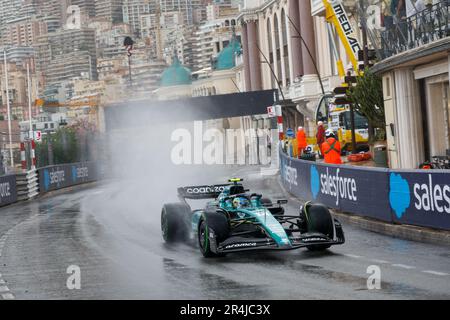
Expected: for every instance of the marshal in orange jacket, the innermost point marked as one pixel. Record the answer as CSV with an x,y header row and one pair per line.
x,y
331,150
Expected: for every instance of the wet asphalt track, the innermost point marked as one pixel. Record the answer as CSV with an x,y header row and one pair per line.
x,y
113,234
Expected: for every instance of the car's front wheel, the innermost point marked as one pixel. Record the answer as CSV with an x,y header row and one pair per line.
x,y
317,218
217,224
174,222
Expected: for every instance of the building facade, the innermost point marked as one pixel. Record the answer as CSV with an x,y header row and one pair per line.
x,y
415,67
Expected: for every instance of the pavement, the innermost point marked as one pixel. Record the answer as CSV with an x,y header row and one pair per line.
x,y
111,231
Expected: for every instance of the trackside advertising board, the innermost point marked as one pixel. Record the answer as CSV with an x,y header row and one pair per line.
x,y
417,197
66,175
421,198
8,190
348,189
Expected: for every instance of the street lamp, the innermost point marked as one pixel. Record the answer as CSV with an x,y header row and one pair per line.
x,y
8,109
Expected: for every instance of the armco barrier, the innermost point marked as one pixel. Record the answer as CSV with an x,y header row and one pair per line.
x,y
66,175
418,197
8,192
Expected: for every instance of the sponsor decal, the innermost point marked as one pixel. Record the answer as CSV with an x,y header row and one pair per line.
x,y
53,177
205,189
337,186
241,245
79,173
315,182
346,26
290,175
427,196
399,195
5,190
57,177
432,197
313,239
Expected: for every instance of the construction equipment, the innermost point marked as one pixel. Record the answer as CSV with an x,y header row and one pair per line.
x,y
337,16
336,111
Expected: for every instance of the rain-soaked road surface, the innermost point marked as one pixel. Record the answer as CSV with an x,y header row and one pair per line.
x,y
112,232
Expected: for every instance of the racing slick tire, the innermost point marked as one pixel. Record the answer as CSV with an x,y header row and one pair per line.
x,y
318,219
219,224
175,222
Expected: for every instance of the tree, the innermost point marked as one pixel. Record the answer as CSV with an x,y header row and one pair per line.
x,y
367,96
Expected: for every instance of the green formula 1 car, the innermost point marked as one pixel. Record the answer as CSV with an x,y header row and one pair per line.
x,y
236,220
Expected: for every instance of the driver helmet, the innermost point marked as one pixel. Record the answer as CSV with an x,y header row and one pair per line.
x,y
240,202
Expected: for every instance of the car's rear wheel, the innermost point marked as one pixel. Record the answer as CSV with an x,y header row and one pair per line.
x,y
217,223
175,222
318,219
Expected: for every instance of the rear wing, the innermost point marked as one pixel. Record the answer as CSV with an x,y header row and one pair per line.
x,y
201,192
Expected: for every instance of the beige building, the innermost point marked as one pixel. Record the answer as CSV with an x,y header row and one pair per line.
x,y
18,92
415,70
275,57
24,32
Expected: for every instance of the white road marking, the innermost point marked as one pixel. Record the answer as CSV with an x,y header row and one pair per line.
x,y
8,296
404,266
380,261
437,273
4,289
352,255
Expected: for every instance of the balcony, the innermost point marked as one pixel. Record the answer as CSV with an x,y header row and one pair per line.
x,y
429,25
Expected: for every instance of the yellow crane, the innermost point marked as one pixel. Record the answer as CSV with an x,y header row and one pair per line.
x,y
92,102
89,101
337,16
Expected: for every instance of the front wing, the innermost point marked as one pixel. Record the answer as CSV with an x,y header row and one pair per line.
x,y
235,244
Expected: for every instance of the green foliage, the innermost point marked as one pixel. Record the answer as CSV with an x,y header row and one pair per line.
x,y
368,99
64,145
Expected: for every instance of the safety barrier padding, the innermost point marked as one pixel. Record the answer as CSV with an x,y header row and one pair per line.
x,y
66,175
8,191
416,197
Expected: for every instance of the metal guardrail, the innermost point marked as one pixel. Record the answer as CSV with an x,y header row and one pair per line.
x,y
426,26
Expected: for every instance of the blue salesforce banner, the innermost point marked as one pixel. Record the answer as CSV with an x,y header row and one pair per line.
x,y
66,175
421,197
416,197
8,190
349,189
